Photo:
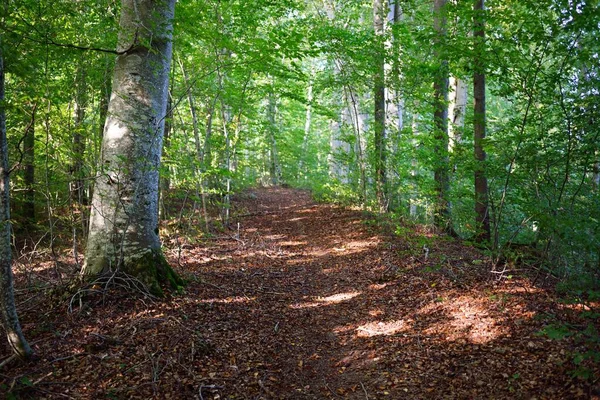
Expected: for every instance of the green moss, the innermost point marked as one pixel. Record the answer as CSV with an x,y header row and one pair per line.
x,y
153,270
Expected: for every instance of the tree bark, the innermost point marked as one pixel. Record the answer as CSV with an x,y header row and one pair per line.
x,y
78,182
379,112
29,168
10,320
456,110
440,120
302,174
482,220
124,218
273,157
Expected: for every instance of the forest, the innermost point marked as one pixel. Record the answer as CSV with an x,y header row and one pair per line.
x,y
300,199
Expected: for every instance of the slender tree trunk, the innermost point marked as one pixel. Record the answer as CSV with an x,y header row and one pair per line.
x,y
359,126
379,112
307,125
10,320
456,110
273,157
123,223
440,120
29,167
165,179
596,175
479,124
78,181
414,171
225,120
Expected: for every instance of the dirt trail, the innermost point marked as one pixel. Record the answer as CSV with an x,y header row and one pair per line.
x,y
311,301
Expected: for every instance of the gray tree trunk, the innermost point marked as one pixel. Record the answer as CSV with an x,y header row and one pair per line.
x,y
29,167
379,13
457,108
123,222
440,121
482,218
302,174
274,169
10,320
78,183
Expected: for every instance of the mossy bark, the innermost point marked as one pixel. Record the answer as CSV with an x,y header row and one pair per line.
x,y
152,269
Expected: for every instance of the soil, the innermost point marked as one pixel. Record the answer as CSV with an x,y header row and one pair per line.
x,y
300,300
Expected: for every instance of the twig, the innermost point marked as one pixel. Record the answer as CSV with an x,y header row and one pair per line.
x,y
364,390
213,285
8,360
68,357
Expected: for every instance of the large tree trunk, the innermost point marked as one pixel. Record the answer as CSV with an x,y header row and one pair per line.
x,y
379,12
123,223
440,121
482,218
10,320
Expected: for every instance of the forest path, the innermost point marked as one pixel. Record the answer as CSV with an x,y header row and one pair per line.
x,y
305,301
315,302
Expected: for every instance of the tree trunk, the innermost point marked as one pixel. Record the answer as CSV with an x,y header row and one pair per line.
x,y
78,182
302,174
440,121
482,220
29,168
359,126
273,158
123,223
165,179
10,320
379,112
456,110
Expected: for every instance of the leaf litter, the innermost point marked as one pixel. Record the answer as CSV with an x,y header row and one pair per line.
x,y
304,301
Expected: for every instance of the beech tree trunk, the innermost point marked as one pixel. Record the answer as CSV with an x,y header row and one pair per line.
x,y
379,13
482,218
456,110
78,182
10,320
123,230
274,169
440,121
29,168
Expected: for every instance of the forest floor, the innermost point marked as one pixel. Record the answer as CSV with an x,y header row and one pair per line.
x,y
302,301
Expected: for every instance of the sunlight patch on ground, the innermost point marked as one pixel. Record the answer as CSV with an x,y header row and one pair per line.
x,y
325,301
378,286
467,318
297,219
228,300
292,243
381,328
308,210
275,237
336,251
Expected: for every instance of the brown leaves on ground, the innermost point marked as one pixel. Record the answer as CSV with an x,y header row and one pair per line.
x,y
305,301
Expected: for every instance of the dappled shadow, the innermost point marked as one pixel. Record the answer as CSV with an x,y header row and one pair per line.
x,y
309,301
